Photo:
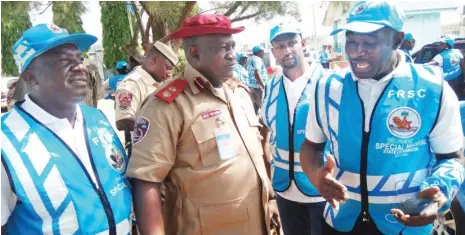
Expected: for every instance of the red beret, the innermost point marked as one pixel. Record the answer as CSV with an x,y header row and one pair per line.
x,y
205,24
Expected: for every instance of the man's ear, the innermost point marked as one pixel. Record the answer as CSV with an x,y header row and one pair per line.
x,y
398,38
303,43
194,52
29,78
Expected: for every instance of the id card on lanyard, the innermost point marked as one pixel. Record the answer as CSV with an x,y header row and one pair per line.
x,y
224,141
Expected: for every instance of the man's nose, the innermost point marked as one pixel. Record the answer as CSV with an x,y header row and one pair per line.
x,y
80,68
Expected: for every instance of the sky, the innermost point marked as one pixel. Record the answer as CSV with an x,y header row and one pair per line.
x,y
254,33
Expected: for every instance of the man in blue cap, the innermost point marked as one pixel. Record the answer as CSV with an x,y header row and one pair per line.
x,y
324,57
393,129
63,166
407,45
257,75
111,84
285,109
452,63
239,70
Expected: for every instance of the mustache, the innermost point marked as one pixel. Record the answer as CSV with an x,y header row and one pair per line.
x,y
359,60
79,75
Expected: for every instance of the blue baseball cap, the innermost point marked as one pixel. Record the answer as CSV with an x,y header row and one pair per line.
x,y
121,64
241,55
280,30
43,37
448,40
369,16
408,36
257,48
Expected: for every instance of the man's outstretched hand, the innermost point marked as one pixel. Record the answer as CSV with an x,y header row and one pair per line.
x,y
428,217
330,189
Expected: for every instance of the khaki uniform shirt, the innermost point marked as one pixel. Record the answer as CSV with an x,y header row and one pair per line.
x,y
132,91
176,143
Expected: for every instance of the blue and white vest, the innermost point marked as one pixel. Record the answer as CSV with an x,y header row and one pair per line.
x,y
385,166
451,64
55,193
115,80
286,138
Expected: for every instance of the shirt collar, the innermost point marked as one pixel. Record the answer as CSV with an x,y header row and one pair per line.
x,y
145,76
43,116
198,82
388,77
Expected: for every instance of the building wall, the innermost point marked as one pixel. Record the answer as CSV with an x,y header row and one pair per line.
x,y
426,28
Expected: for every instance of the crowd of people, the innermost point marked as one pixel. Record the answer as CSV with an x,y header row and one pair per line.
x,y
227,147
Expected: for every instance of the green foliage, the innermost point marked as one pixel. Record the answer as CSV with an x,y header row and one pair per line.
x,y
181,62
257,10
165,16
68,15
116,32
15,20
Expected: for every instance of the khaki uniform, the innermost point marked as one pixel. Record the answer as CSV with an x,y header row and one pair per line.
x,y
175,143
132,91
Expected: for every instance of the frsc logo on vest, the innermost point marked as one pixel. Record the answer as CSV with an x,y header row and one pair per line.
x,y
403,122
407,94
115,159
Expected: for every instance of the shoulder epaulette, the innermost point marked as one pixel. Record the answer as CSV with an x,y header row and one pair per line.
x,y
244,86
172,90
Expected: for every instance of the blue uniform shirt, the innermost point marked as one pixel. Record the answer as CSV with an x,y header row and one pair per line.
x,y
253,64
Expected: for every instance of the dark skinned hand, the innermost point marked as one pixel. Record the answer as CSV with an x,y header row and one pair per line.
x,y
433,193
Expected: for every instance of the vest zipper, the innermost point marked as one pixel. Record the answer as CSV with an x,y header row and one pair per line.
x,y
291,130
363,175
364,164
364,153
291,134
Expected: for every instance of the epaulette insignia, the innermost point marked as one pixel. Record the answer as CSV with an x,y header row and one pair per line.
x,y
172,90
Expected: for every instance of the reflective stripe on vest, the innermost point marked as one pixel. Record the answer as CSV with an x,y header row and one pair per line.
x,y
56,193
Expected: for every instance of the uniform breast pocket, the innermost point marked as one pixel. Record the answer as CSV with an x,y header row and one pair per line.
x,y
204,133
253,121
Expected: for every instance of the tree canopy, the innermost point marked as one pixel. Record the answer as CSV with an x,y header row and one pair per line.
x,y
116,32
258,10
68,15
15,20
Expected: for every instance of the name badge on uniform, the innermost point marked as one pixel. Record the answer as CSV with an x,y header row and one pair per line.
x,y
224,141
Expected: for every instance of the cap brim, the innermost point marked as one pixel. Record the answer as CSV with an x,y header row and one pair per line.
x,y
358,27
81,40
204,30
284,32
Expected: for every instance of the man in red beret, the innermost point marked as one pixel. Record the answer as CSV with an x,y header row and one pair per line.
x,y
198,135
